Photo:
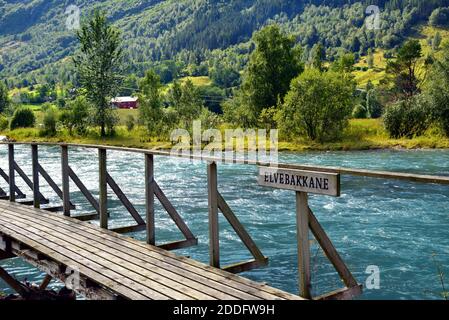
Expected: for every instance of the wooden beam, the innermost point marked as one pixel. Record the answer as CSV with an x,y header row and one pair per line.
x,y
12,180
103,187
19,193
35,163
65,180
129,229
302,227
172,212
246,266
4,255
239,229
149,199
14,284
342,294
87,217
45,282
330,251
179,244
84,190
124,199
214,239
28,181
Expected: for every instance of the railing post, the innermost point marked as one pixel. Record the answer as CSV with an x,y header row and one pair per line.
x,y
302,225
12,180
214,242
65,180
35,163
103,189
149,198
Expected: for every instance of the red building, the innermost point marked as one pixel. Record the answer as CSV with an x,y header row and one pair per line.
x,y
125,102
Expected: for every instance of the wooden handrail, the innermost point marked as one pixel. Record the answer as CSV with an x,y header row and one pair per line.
x,y
444,180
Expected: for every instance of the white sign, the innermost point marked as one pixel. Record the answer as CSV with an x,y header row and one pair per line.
x,y
298,180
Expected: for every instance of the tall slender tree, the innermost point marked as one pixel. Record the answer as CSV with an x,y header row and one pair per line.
x,y
99,66
4,99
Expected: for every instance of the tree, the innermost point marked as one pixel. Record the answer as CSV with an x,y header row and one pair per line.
x,y
439,17
76,115
4,98
436,42
370,59
345,63
189,104
318,56
272,66
98,65
318,106
403,69
438,90
150,101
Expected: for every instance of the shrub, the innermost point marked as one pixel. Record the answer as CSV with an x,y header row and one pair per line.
x,y
50,121
359,112
3,123
76,115
22,118
407,119
130,122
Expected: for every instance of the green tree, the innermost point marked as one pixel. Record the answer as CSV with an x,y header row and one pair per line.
x,y
403,69
188,103
272,66
317,106
345,63
318,56
4,98
370,59
150,102
438,90
76,115
98,64
436,42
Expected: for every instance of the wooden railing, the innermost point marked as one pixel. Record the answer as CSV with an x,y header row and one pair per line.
x,y
216,202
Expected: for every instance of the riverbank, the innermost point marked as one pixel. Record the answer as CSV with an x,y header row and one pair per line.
x,y
361,134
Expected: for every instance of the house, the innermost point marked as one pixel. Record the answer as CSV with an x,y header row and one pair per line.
x,y
125,102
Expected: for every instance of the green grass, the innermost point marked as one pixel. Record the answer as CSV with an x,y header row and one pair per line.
x,y
364,134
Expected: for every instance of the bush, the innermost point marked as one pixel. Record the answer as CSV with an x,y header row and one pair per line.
x,y
359,112
50,121
76,116
407,119
3,123
130,122
318,106
23,118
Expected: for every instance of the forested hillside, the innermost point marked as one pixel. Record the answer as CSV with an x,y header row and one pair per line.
x,y
193,37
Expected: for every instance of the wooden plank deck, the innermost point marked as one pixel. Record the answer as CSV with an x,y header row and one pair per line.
x,y
119,265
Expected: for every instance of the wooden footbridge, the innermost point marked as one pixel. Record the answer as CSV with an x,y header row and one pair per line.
x,y
101,263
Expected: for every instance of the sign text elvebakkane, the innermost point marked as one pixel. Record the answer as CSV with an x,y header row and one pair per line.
x,y
298,180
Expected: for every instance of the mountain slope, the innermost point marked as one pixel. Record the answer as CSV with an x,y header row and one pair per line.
x,y
35,43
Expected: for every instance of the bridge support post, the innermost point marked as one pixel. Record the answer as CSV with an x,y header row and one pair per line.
x,y
103,189
214,242
12,180
149,198
302,227
35,165
65,180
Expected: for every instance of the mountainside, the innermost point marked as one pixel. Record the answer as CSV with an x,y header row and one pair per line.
x,y
35,42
